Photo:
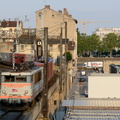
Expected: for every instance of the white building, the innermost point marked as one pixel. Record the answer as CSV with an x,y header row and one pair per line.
x,y
104,86
104,31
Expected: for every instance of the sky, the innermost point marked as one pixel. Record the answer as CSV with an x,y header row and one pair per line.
x,y
105,12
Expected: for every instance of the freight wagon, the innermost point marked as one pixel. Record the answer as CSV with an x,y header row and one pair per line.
x,y
21,60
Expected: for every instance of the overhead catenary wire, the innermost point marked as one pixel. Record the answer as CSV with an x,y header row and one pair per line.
x,y
55,30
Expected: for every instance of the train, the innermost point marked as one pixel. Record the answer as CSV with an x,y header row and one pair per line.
x,y
21,87
20,59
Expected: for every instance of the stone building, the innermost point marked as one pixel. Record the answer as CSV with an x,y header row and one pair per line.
x,y
55,20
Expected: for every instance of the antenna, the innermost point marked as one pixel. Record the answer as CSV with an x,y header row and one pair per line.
x,y
26,19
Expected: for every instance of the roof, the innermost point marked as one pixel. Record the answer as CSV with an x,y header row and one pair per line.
x,y
92,114
59,12
5,23
89,102
104,75
26,41
92,109
57,41
25,72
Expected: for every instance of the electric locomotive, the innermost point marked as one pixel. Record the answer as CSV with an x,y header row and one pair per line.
x,y
21,87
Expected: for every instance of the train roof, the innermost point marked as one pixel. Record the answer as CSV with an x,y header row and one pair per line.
x,y
26,72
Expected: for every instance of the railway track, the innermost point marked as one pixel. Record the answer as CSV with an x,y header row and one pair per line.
x,y
11,115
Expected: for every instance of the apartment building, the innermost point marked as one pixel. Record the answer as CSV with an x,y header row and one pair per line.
x,y
10,29
104,31
13,30
55,20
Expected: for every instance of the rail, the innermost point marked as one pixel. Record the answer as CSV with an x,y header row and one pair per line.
x,y
12,115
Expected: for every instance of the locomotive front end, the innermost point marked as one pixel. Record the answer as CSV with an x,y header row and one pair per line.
x,y
15,88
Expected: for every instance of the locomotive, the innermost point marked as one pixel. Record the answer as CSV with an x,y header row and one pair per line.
x,y
21,87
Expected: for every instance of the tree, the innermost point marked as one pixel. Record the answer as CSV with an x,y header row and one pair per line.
x,y
81,43
110,42
68,56
87,43
100,48
92,42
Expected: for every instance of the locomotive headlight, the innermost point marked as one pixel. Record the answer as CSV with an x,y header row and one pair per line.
x,y
4,91
26,91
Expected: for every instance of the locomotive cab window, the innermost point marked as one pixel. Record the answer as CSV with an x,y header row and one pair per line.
x,y
21,79
9,78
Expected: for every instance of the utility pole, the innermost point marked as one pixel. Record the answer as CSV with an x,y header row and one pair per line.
x,y
60,82
17,32
13,55
15,46
66,60
45,96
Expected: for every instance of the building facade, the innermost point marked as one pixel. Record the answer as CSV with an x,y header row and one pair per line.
x,y
101,32
11,31
55,20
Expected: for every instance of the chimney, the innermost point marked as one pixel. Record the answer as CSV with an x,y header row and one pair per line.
x,y
65,11
47,6
70,15
60,11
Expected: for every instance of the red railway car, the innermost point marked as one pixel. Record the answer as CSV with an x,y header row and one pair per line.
x,y
19,58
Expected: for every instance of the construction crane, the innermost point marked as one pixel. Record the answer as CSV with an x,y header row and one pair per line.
x,y
85,22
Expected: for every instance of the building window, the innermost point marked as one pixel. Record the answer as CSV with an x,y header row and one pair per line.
x,y
50,47
40,14
52,15
10,30
22,47
15,30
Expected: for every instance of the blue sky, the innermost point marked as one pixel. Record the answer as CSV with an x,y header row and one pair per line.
x,y
92,10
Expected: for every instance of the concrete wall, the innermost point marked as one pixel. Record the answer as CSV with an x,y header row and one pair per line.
x,y
55,51
104,86
107,63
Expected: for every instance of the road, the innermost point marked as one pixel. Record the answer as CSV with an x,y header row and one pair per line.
x,y
79,89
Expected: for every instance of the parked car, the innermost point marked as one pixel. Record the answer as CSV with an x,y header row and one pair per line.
x,y
82,72
82,78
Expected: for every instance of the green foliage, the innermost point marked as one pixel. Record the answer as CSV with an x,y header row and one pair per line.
x,y
87,43
110,42
68,56
91,43
81,43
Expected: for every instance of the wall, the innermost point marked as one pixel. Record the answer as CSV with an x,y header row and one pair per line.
x,y
104,86
106,67
54,21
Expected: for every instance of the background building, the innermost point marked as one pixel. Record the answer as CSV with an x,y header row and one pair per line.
x,y
55,20
104,31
